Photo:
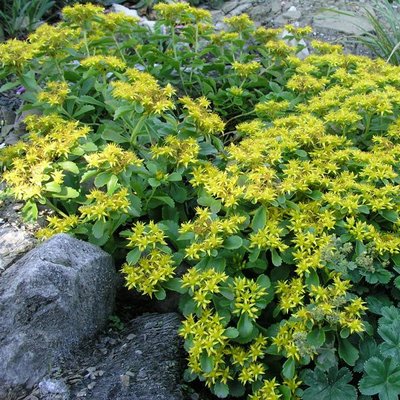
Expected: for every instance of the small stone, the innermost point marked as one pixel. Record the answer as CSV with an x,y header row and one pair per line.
x,y
54,389
131,336
125,380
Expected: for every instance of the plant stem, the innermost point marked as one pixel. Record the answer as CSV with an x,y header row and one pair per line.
x,y
136,129
56,209
86,42
238,116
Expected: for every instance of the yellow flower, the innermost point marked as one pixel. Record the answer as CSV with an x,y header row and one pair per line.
x,y
246,69
55,93
103,63
143,89
81,13
205,120
150,271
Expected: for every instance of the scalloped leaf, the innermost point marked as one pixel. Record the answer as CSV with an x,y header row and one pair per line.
x,y
333,385
381,377
390,333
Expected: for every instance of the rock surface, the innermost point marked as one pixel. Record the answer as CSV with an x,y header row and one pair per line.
x,y
149,366
143,361
14,243
51,300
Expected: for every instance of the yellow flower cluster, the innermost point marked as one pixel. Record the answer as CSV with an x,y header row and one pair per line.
x,y
269,391
35,167
16,53
82,13
239,23
115,21
247,293
53,39
203,284
269,237
143,89
151,270
263,35
181,13
223,37
209,232
271,109
207,337
113,158
221,184
146,235
55,93
100,205
57,225
206,121
246,69
104,63
326,305
180,151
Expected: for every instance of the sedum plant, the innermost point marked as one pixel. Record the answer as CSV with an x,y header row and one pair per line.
x,y
261,187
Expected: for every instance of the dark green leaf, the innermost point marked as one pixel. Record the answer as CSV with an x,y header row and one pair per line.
x,y
381,377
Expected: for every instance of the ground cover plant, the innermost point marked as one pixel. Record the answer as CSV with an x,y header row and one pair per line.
x,y
261,187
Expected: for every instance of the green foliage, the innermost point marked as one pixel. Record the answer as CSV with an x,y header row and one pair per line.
x,y
18,17
381,377
260,187
384,41
330,385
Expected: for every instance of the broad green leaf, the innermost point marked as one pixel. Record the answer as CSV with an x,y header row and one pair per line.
x,y
333,385
382,377
174,284
83,110
245,326
160,294
348,352
133,256
276,258
165,199
206,362
98,228
259,219
390,215
69,166
390,333
316,337
221,390
289,368
231,333
67,193
233,242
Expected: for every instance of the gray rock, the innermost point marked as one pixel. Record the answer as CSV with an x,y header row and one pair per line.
x,y
261,13
53,389
242,7
14,243
352,25
293,14
50,300
229,6
147,365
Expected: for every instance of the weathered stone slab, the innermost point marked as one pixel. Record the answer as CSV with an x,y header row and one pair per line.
x,y
352,25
